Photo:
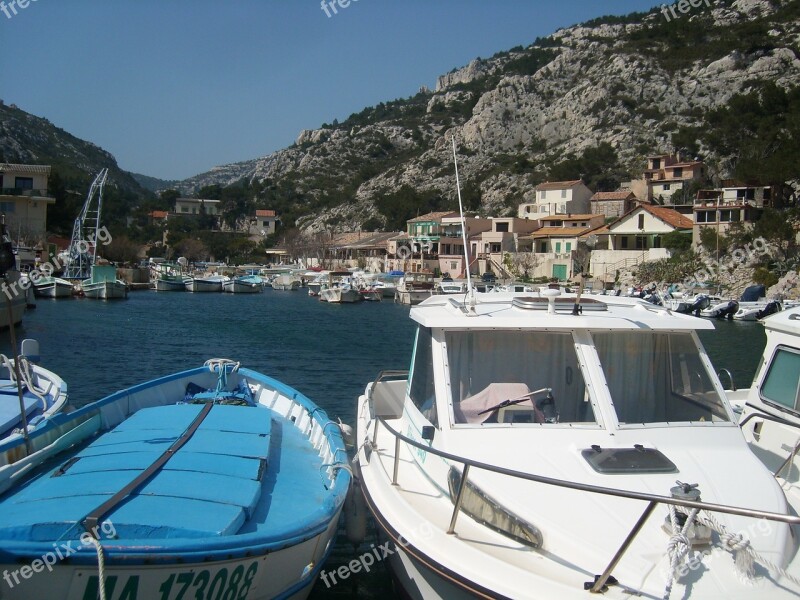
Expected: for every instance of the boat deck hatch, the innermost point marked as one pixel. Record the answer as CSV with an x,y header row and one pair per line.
x,y
614,461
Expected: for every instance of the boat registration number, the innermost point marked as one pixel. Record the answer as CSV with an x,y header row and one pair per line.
x,y
231,582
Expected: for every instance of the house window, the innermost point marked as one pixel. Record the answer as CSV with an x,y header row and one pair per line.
x,y
728,216
7,207
542,195
641,221
453,266
494,248
184,209
558,247
23,183
569,247
657,241
666,187
563,193
641,242
656,163
501,227
543,247
624,243
677,172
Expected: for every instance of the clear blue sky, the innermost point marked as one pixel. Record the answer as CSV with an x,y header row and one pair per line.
x,y
174,87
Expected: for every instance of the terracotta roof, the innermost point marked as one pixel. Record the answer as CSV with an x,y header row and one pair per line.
x,y
621,195
265,213
158,214
669,216
557,185
38,169
433,216
546,232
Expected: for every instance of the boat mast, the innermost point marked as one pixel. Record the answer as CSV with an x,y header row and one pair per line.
x,y
84,232
470,290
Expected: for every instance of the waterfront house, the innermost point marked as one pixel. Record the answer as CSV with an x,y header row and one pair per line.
x,y
667,177
24,200
733,203
262,223
557,238
197,206
612,205
557,197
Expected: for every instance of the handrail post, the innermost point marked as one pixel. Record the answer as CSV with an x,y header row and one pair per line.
x,y
396,459
789,459
459,496
601,581
375,433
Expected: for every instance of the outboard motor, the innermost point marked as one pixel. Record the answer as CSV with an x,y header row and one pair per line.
x,y
772,307
701,302
731,309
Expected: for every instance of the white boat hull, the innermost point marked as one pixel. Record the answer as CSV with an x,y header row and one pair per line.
x,y
239,287
57,288
105,290
203,285
169,285
412,297
338,295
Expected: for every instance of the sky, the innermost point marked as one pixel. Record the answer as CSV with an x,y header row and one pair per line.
x,y
173,88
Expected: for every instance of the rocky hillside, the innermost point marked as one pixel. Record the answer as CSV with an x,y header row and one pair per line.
x,y
617,89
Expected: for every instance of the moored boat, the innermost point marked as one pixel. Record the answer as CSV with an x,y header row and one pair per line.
x,y
219,480
545,446
52,287
339,289
414,287
104,284
245,284
211,283
43,393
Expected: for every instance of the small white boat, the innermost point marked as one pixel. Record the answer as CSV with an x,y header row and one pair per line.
x,y
212,283
246,284
43,393
721,310
219,481
545,448
315,284
414,287
103,284
339,289
286,283
757,311
450,287
53,287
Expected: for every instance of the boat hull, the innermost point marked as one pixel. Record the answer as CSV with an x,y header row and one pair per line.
x,y
340,295
58,288
279,464
105,290
170,285
203,285
412,297
241,287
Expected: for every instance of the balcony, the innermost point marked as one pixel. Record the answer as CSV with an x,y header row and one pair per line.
x,y
23,192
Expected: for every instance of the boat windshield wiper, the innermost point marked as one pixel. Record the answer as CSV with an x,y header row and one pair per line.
x,y
520,399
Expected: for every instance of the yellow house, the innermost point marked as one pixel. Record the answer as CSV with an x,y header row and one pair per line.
x,y
24,200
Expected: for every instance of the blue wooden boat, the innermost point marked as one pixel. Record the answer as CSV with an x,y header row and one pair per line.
x,y
43,393
217,482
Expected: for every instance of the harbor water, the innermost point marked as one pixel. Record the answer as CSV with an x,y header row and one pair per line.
x,y
328,352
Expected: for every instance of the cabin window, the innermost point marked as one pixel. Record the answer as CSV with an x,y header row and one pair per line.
x,y
782,383
422,391
538,368
657,378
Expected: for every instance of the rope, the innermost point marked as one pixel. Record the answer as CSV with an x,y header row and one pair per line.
x,y
101,567
743,553
679,545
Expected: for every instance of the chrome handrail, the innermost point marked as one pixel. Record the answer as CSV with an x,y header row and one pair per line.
x,y
730,377
652,499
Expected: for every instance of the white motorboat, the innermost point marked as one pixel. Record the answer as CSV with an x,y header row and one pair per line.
x,y
316,284
757,311
540,448
720,310
286,282
770,408
339,289
245,284
414,287
211,283
52,287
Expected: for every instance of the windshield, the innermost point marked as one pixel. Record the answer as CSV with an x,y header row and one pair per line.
x,y
536,371
657,378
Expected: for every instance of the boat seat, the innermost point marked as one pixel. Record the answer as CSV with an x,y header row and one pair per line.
x,y
467,411
9,405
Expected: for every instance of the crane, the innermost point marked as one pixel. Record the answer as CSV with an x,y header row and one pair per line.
x,y
83,246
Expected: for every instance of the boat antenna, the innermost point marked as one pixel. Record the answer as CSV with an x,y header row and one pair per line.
x,y
471,301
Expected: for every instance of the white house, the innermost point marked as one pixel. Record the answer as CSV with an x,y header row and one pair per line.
x,y
196,206
557,197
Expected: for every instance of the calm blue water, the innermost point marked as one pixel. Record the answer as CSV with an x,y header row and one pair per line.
x,y
328,352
